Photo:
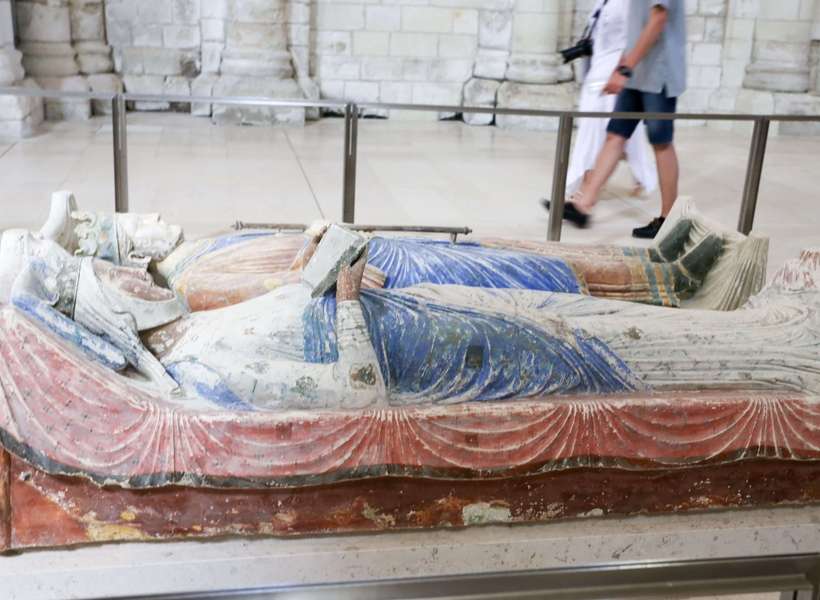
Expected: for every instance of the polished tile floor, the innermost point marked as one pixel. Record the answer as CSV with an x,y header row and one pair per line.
x,y
423,173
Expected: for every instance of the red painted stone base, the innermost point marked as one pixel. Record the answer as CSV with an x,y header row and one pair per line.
x,y
49,511
5,500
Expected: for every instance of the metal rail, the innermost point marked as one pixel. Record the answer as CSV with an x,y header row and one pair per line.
x,y
351,110
559,178
120,133
349,173
797,576
453,232
754,171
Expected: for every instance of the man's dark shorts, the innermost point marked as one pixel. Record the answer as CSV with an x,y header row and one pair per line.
x,y
659,132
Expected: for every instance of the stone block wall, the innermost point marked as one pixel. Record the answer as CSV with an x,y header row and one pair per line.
x,y
744,55
399,52
706,28
214,48
18,116
157,45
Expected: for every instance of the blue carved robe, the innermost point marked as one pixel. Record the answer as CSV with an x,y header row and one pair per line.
x,y
408,262
432,352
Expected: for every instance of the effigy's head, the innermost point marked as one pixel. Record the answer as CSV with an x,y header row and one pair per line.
x,y
125,239
17,248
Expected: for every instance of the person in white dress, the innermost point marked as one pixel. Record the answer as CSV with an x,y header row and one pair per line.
x,y
608,45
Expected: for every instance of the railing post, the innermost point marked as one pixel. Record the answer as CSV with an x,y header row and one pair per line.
x,y
118,121
350,151
754,170
559,178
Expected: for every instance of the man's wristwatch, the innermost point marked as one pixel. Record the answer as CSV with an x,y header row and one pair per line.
x,y
625,71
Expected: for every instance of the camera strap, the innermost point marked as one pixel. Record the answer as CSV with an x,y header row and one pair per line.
x,y
596,16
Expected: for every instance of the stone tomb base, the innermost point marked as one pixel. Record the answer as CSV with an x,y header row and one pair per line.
x,y
531,96
227,85
38,510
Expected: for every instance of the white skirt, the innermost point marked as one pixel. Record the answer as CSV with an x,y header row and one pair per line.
x,y
591,133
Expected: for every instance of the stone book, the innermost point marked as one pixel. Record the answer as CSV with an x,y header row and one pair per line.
x,y
339,248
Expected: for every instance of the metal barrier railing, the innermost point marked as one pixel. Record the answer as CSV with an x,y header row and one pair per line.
x,y
796,577
351,111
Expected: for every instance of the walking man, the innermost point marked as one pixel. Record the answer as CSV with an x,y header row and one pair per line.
x,y
650,77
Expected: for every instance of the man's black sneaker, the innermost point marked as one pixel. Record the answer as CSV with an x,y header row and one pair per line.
x,y
571,214
649,231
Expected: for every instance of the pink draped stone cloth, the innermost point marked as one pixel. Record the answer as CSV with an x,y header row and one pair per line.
x,y
66,415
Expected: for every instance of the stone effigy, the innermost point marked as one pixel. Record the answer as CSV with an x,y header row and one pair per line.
x,y
476,397
226,269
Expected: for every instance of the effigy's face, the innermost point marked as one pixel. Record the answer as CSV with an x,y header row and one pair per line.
x,y
125,239
149,236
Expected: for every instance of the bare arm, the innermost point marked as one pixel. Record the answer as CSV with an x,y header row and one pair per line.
x,y
650,35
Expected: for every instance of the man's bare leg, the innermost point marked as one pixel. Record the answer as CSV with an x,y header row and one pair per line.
x,y
667,161
605,165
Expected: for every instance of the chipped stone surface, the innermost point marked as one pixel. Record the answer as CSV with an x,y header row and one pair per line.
x,y
546,97
257,87
71,109
480,92
482,513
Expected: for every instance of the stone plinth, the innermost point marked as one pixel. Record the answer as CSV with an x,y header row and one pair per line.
x,y
88,35
777,77
45,35
255,61
538,68
798,104
518,45
534,45
11,69
70,109
285,89
545,97
49,57
19,115
780,55
480,92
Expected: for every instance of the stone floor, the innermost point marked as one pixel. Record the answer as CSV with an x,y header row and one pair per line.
x,y
134,569
432,173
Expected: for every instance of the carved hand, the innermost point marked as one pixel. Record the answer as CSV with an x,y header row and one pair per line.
x,y
349,281
303,258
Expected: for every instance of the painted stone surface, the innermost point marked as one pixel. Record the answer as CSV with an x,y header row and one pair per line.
x,y
220,271
460,375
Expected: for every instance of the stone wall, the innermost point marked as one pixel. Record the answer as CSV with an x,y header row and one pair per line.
x,y
744,55
214,47
64,48
18,116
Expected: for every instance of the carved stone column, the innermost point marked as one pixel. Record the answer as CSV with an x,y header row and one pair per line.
x,y
535,70
48,56
492,58
256,61
88,36
780,56
92,50
534,48
19,116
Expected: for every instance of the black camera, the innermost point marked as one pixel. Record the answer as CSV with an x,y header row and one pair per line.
x,y
579,50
